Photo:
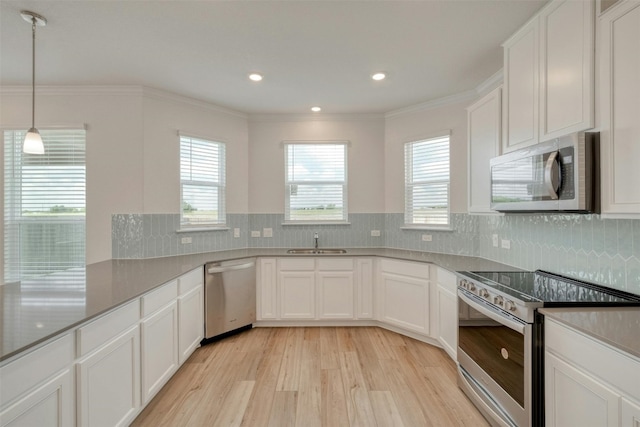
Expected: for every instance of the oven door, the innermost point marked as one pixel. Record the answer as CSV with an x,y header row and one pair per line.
x,y
495,360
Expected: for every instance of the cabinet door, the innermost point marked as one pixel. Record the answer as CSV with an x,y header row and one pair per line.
x,y
520,97
620,109
630,413
447,311
483,121
364,288
267,292
297,291
404,302
574,398
108,383
566,64
49,404
190,322
159,349
335,294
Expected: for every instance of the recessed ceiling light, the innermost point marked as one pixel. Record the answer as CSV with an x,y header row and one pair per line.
x,y
256,77
316,109
378,76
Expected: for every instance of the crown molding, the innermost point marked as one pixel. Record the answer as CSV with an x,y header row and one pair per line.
x,y
484,87
316,117
73,90
162,95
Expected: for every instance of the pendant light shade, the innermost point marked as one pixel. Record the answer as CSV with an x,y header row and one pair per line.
x,y
33,141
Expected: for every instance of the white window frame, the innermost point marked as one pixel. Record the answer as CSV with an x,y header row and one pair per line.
x,y
289,184
411,183
71,269
221,221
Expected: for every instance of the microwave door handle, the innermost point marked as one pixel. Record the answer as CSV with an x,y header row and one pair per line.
x,y
552,175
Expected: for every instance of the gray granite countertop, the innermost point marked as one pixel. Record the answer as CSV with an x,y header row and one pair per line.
x,y
34,311
617,326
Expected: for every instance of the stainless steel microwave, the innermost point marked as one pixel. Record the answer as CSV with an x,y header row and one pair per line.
x,y
561,175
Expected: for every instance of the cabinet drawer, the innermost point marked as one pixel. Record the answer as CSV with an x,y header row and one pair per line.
x,y
190,281
160,297
296,264
335,264
404,268
21,375
613,366
106,327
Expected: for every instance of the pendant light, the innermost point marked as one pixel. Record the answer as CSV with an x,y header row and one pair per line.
x,y
33,141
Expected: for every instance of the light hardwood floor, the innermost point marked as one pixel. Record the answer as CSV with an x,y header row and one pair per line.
x,y
360,376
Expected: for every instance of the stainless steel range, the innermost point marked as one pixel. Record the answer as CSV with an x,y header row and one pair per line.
x,y
501,337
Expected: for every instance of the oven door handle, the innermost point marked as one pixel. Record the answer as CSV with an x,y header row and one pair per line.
x,y
493,314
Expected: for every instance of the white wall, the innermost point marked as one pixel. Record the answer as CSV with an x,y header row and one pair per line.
x,y
365,158
423,123
114,151
132,147
164,116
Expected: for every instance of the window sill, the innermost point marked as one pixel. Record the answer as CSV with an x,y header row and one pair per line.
x,y
286,224
431,228
199,229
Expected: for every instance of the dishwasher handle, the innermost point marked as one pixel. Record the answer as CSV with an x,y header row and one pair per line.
x,y
224,269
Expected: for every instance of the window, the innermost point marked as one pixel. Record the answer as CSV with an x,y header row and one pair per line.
x,y
426,166
316,182
202,182
45,206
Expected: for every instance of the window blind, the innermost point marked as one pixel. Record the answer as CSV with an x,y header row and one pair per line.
x,y
202,182
427,182
316,182
45,206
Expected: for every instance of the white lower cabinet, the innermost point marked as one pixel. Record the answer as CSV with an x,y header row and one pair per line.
x,y
37,389
159,349
297,294
587,382
364,282
108,382
403,295
190,322
335,283
447,311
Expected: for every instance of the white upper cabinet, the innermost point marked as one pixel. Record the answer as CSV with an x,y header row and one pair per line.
x,y
549,75
483,122
567,48
619,84
520,96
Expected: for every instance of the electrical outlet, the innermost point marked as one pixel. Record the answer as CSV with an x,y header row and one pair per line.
x,y
236,232
185,240
495,240
375,233
506,244
255,233
267,232
426,237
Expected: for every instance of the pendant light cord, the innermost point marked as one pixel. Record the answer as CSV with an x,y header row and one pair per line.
x,y
33,73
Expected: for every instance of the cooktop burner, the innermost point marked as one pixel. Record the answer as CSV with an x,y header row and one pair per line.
x,y
552,289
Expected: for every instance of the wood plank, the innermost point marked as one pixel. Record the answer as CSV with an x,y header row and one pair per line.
x,y
283,411
290,368
309,386
333,402
385,409
406,400
234,405
329,353
355,391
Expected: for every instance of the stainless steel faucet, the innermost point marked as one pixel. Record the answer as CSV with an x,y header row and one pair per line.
x,y
315,238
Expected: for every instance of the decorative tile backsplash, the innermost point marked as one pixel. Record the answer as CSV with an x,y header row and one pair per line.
x,y
605,251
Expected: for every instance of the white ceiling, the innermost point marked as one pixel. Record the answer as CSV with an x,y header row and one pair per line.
x,y
310,52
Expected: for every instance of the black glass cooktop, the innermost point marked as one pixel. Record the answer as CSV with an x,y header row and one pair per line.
x,y
553,289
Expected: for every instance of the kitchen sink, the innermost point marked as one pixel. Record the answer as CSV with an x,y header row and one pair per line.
x,y
316,251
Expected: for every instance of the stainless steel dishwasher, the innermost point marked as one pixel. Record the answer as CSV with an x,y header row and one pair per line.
x,y
229,296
